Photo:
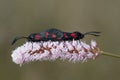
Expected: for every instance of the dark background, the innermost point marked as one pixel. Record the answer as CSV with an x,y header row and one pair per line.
x,y
22,17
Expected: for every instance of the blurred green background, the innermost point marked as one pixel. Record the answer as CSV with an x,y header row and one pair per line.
x,y
22,17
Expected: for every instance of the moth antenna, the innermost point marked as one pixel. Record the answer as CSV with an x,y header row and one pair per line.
x,y
94,33
17,38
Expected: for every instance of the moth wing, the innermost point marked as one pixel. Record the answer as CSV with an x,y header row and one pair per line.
x,y
58,33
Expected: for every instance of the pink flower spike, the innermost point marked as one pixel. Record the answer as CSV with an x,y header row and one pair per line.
x,y
73,51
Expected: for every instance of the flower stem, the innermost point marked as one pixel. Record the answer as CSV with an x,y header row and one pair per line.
x,y
110,54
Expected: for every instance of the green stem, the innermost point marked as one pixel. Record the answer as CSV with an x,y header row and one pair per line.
x,y
110,54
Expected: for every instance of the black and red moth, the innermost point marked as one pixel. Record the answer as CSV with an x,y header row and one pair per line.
x,y
55,35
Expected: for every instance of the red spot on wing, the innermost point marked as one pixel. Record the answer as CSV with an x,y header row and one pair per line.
x,y
46,34
54,36
65,35
73,35
37,37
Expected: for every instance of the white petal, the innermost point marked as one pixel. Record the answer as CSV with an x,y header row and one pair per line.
x,y
93,43
17,57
